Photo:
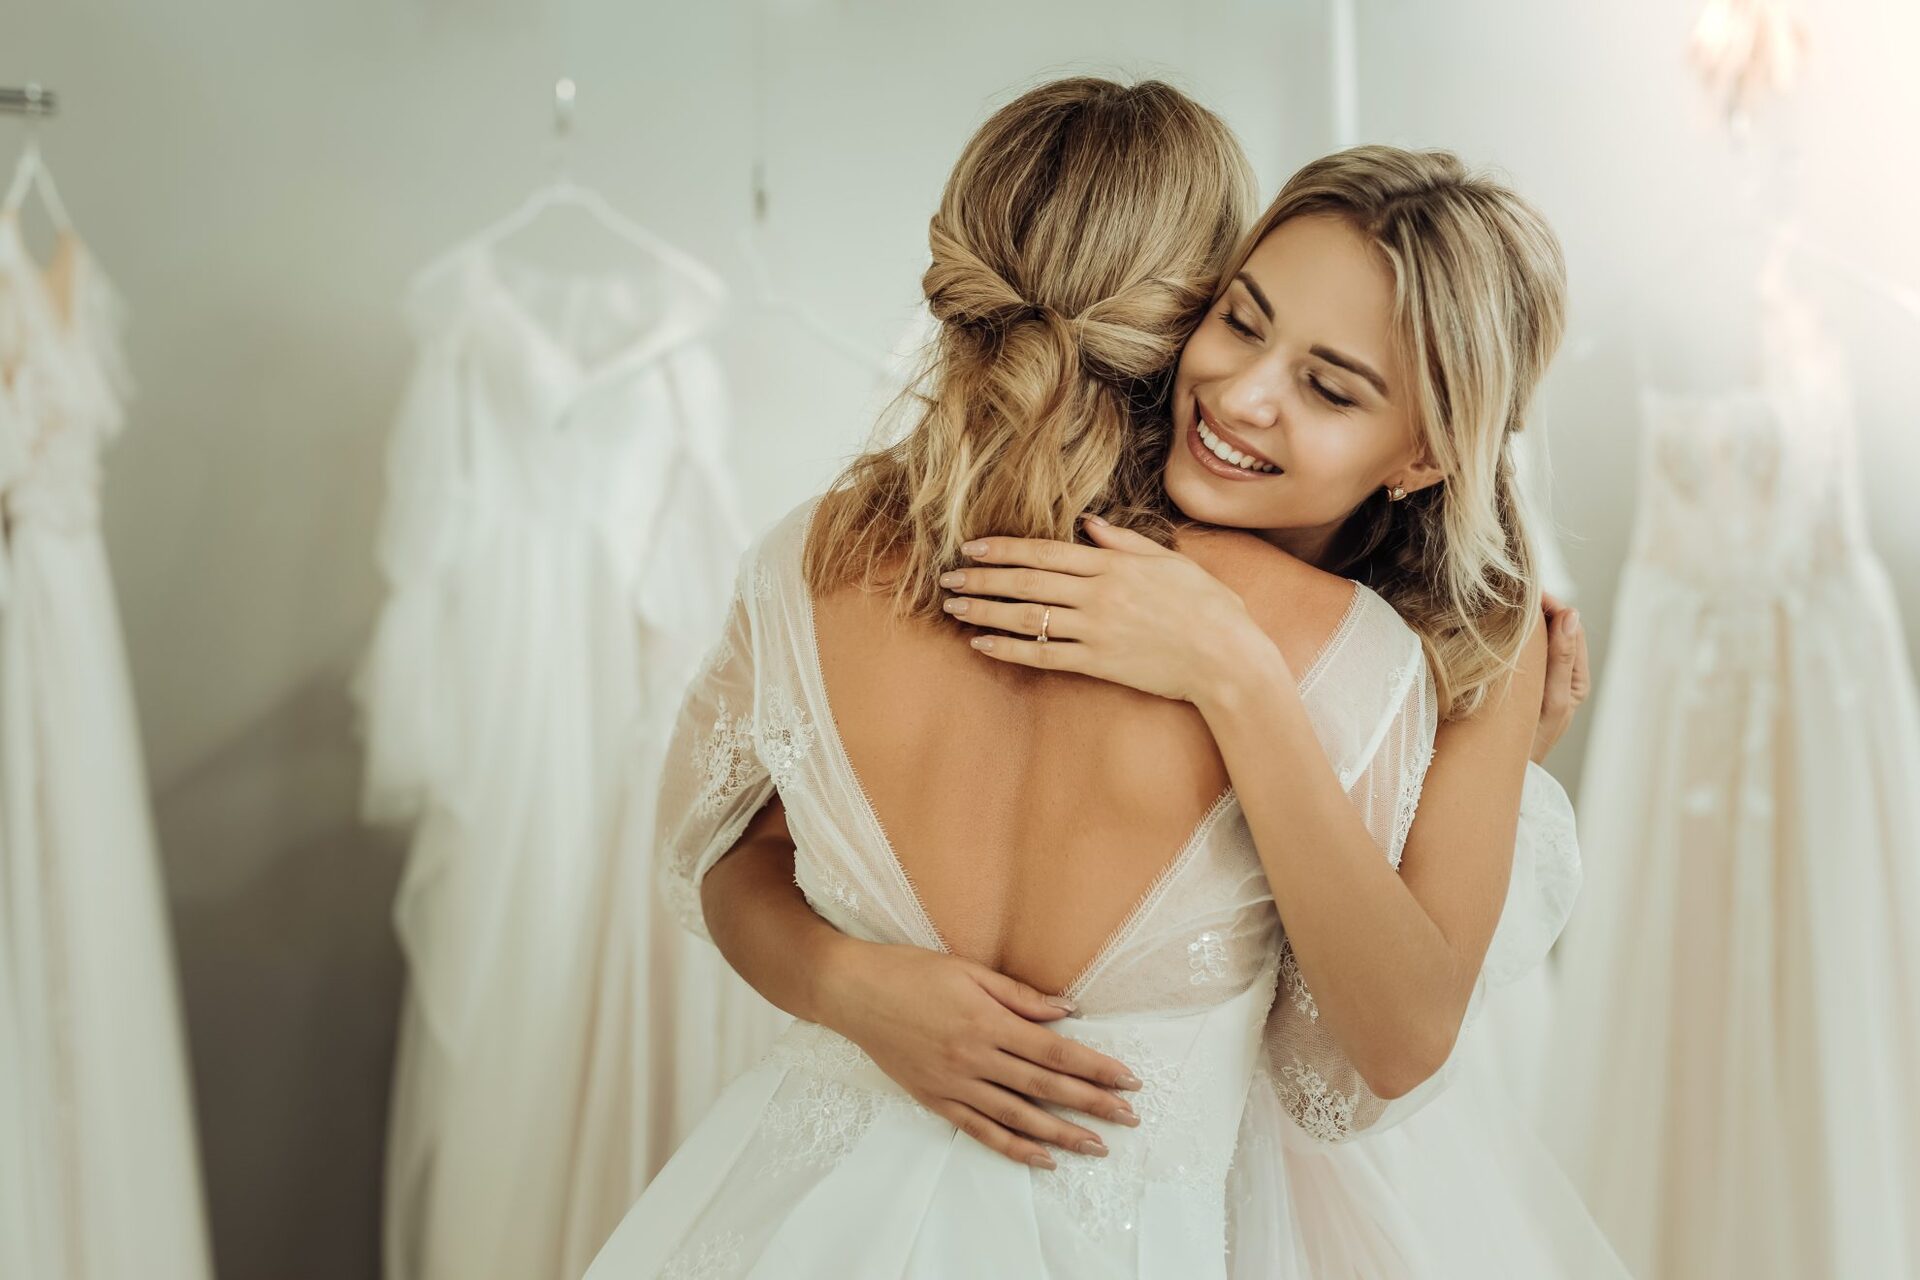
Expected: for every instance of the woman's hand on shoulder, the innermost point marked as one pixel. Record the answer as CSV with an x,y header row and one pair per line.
x,y
1127,610
964,1041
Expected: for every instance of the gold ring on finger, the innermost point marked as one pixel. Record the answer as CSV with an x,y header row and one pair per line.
x,y
1046,616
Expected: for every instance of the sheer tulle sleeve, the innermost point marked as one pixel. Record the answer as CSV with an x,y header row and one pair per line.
x,y
1316,1084
713,780
409,727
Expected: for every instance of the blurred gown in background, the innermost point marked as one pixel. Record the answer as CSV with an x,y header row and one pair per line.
x,y
559,539
99,1170
1738,1032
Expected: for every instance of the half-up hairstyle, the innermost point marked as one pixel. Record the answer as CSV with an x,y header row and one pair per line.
x,y
1077,244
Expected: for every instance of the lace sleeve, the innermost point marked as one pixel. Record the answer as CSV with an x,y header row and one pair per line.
x,y
713,780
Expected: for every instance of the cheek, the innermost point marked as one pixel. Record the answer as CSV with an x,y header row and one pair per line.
x,y
1338,473
1209,354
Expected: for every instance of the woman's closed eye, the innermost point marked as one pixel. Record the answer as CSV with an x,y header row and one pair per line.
x,y
1332,398
1326,393
1236,324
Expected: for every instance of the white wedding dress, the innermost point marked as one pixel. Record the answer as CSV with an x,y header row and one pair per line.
x,y
1738,1033
815,1164
99,1167
559,530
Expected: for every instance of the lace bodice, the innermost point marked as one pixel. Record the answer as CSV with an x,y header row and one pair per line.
x,y
1751,492
63,381
757,720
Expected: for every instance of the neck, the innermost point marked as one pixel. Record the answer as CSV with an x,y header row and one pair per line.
x,y
1309,545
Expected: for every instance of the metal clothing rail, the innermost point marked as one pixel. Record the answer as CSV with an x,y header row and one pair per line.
x,y
32,100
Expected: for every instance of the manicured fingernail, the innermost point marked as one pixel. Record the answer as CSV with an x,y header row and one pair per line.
x,y
1062,1002
953,579
954,606
1127,1080
1125,1115
982,642
1573,623
1040,1160
1090,1147
973,548
1094,519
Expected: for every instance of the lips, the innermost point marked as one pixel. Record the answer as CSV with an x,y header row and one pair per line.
x,y
1213,444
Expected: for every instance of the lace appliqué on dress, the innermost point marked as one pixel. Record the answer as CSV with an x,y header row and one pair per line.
x,y
712,1258
1207,958
726,761
1294,985
816,1125
786,736
1101,1193
1316,1106
1409,803
842,893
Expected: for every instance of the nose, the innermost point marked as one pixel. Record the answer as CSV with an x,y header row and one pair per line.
x,y
1249,400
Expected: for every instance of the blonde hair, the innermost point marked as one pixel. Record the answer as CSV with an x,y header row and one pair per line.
x,y
1479,308
1077,243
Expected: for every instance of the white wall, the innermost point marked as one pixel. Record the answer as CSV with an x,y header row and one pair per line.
x,y
260,178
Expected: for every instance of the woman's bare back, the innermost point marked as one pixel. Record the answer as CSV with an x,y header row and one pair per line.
x,y
1032,810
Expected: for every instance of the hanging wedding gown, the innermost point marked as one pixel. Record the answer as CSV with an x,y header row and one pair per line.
x,y
1739,1031
559,531
815,1163
99,1171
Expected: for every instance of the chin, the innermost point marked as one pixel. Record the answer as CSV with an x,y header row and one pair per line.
x,y
1198,499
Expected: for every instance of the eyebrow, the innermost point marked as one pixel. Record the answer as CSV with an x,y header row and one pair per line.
x,y
1325,353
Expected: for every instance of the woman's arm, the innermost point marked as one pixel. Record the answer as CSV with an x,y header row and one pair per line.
x,y
1392,957
959,1037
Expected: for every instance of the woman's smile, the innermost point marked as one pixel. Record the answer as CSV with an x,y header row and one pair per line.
x,y
1223,455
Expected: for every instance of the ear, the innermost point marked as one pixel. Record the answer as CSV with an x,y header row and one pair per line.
x,y
1419,474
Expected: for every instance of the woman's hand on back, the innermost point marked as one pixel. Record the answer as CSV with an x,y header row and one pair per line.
x,y
963,1040
966,1042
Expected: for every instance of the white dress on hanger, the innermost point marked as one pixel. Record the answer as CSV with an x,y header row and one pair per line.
x,y
99,1170
815,1163
1739,1027
559,532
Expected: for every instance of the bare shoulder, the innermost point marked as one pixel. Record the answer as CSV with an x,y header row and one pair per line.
x,y
1294,602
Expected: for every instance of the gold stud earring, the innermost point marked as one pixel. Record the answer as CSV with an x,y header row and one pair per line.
x,y
1396,493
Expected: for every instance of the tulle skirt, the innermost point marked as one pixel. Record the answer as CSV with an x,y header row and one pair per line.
x,y
1461,1188
782,1179
1738,1021
99,1168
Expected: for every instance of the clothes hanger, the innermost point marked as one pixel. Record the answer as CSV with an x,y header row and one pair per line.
x,y
563,191
30,175
30,172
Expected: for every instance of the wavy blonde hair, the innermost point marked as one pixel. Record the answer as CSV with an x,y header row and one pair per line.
x,y
1479,308
1078,242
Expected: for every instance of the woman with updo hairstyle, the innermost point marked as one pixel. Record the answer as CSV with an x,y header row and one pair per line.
x,y
1077,243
